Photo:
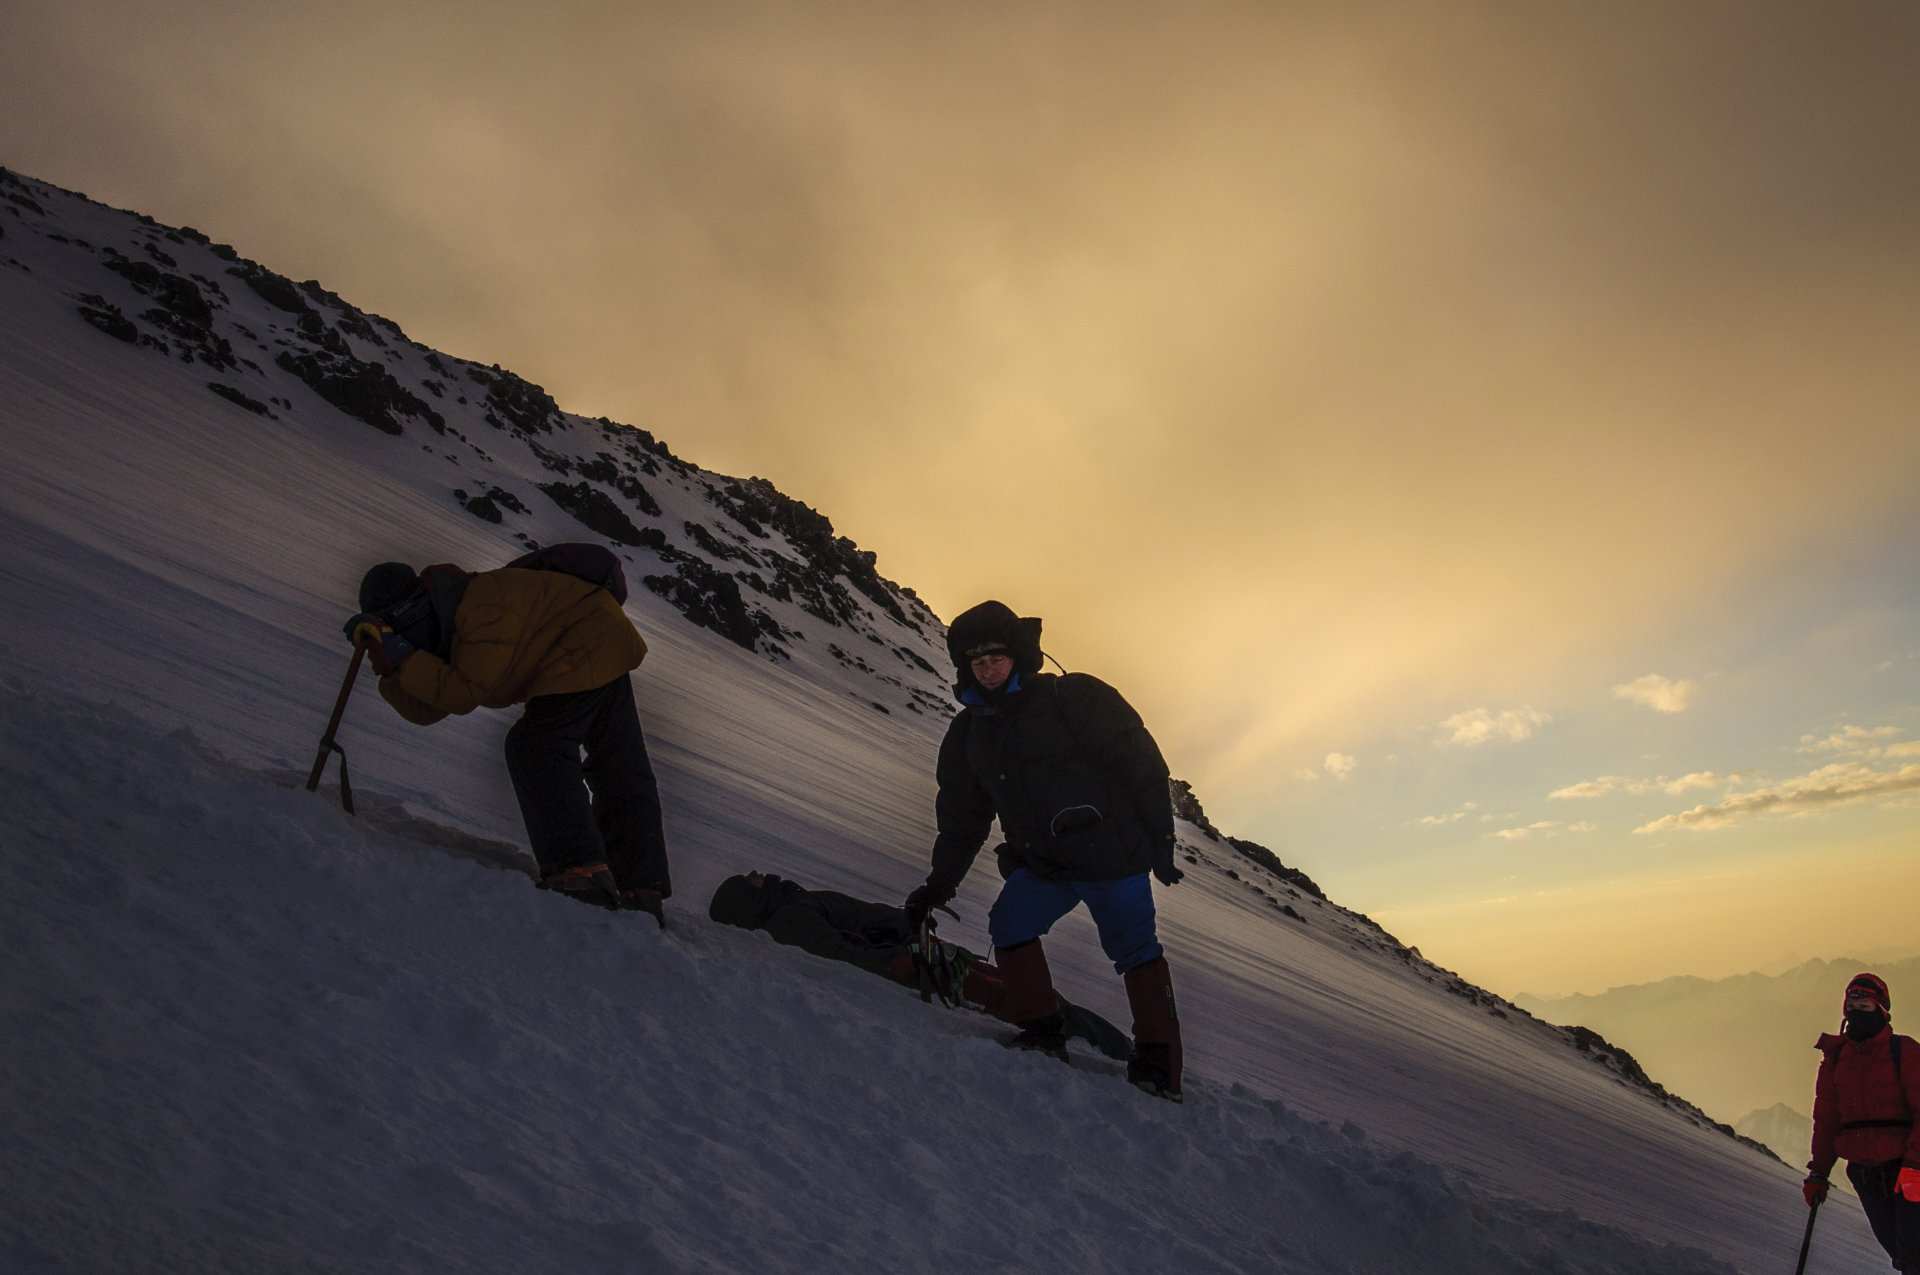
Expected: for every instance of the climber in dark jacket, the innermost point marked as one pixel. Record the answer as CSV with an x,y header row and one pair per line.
x,y
1080,790
1865,1099
877,938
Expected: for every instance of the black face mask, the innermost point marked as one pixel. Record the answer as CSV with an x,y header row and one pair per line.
x,y
1864,1024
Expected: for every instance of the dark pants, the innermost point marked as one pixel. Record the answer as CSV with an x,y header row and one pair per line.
x,y
1895,1221
605,808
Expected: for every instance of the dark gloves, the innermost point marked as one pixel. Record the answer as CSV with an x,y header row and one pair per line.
x,y
924,900
386,650
1164,870
1814,1188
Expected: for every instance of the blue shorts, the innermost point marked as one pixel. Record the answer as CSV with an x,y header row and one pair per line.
x,y
1122,911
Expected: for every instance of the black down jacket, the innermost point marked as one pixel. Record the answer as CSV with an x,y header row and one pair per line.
x,y
1069,769
823,922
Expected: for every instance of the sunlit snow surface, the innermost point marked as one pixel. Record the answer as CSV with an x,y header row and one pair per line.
x,y
247,1032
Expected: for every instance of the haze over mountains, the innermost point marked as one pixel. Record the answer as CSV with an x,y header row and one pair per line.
x,y
1740,1047
304,1044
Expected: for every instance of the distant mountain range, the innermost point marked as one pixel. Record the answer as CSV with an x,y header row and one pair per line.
x,y
1740,1046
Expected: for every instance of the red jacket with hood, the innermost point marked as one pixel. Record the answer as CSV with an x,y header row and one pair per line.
x,y
1863,1111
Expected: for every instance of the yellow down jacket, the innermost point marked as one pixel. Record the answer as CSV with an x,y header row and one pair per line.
x,y
518,634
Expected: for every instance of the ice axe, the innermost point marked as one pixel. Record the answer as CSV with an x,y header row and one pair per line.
x,y
327,742
1813,1211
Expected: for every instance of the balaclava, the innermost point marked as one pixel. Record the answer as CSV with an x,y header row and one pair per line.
x,y
1865,1024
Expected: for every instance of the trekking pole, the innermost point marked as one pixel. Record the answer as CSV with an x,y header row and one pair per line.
x,y
1813,1211
327,743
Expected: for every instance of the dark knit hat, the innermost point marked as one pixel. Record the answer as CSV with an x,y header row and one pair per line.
x,y
392,590
992,628
736,902
1870,985
386,584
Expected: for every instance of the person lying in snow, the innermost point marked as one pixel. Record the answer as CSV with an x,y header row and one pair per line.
x,y
1865,1100
547,631
877,938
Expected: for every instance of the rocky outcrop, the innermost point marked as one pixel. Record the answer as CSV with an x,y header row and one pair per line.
x,y
596,511
242,399
515,405
365,391
758,506
487,505
711,599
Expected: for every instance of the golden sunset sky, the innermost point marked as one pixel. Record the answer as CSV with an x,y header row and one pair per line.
x,y
1482,436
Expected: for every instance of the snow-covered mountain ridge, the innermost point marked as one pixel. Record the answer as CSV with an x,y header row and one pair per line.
x,y
740,550
202,456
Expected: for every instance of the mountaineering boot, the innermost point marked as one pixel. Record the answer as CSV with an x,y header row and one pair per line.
x,y
1155,1067
587,882
647,901
1150,1071
1027,981
1043,1036
1030,1003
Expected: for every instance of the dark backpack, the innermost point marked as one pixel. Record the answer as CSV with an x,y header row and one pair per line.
x,y
596,564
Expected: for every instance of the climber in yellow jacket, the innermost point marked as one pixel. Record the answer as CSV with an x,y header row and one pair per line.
x,y
446,641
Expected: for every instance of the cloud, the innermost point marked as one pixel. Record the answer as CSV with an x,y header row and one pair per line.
x,y
1340,765
1441,821
1840,784
1642,787
1307,774
1851,739
1589,788
1662,694
1478,726
1544,828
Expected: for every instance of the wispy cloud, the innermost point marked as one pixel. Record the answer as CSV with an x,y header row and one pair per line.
x,y
1542,828
1839,784
1340,765
1851,739
1478,726
1643,787
1441,821
1662,694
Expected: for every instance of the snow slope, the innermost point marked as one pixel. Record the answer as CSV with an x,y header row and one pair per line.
x,y
247,1032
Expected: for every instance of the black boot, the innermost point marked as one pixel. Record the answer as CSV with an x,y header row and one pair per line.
x,y
1151,1070
647,901
587,882
1043,1036
1156,1030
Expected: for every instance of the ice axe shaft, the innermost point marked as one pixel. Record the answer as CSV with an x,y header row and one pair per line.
x,y
1807,1240
327,744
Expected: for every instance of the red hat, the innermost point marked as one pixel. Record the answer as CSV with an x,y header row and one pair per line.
x,y
1871,985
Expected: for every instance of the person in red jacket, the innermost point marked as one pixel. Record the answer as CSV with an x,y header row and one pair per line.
x,y
1864,1103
